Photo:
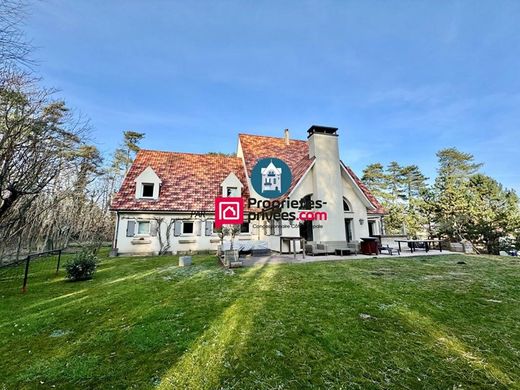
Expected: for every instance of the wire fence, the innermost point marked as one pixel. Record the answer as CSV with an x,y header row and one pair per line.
x,y
36,263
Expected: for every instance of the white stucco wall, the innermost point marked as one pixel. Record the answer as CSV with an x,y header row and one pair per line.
x,y
182,243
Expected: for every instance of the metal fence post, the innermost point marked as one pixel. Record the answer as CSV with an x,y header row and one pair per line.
x,y
59,259
24,288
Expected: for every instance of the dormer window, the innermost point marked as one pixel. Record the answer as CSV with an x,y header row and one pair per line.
x,y
147,190
231,186
147,185
232,191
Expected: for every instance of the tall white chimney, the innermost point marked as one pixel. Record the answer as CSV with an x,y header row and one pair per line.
x,y
323,146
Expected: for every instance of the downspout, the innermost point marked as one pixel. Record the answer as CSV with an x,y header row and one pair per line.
x,y
113,252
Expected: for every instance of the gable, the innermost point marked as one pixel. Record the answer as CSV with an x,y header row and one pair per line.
x,y
148,176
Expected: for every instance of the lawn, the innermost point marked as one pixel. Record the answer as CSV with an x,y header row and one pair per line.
x,y
424,322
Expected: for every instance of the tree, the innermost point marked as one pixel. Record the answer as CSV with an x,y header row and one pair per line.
x,y
36,142
413,181
125,154
395,182
376,180
14,48
164,242
452,197
493,214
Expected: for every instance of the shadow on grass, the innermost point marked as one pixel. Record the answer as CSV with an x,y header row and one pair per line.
x,y
225,339
134,331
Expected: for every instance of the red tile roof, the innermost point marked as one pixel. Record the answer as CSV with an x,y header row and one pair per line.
x,y
378,207
190,182
295,154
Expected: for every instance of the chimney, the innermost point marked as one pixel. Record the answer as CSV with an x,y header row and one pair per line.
x,y
327,182
286,137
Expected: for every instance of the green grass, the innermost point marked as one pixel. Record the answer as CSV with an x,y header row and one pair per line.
x,y
407,323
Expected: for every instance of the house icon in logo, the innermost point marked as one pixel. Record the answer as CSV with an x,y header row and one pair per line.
x,y
230,212
271,178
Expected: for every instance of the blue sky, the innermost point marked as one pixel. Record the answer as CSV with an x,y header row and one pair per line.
x,y
400,79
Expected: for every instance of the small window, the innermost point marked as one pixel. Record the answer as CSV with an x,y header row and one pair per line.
x,y
232,191
147,190
143,227
346,206
187,228
244,228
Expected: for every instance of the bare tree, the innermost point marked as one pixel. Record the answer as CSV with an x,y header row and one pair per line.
x,y
164,242
14,47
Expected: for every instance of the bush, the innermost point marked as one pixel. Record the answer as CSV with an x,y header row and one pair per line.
x,y
82,266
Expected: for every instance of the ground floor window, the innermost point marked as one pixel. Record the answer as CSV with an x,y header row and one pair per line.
x,y
244,228
143,227
187,228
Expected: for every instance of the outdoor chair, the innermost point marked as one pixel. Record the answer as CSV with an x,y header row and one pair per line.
x,y
389,250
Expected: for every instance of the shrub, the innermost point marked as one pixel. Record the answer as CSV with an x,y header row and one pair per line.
x,y
82,266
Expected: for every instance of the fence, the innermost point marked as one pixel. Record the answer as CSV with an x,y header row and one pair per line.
x,y
29,260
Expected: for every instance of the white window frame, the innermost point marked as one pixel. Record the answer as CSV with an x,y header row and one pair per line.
x,y
349,204
248,229
235,192
153,190
138,222
192,231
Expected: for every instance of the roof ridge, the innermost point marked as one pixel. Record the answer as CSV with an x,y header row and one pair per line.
x,y
270,136
187,153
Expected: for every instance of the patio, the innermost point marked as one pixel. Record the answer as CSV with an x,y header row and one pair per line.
x,y
276,258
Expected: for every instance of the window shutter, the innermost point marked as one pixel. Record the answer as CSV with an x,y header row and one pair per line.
x,y
197,228
154,226
177,228
268,228
209,228
279,228
130,228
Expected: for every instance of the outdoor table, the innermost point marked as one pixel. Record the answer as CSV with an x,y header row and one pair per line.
x,y
293,240
414,242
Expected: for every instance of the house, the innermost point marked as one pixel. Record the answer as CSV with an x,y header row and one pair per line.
x,y
166,201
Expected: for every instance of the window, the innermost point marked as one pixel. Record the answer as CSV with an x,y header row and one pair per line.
x,y
346,206
147,190
187,228
232,191
143,227
244,228
348,229
306,203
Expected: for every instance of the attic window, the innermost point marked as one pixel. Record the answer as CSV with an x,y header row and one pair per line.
x,y
232,191
147,190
